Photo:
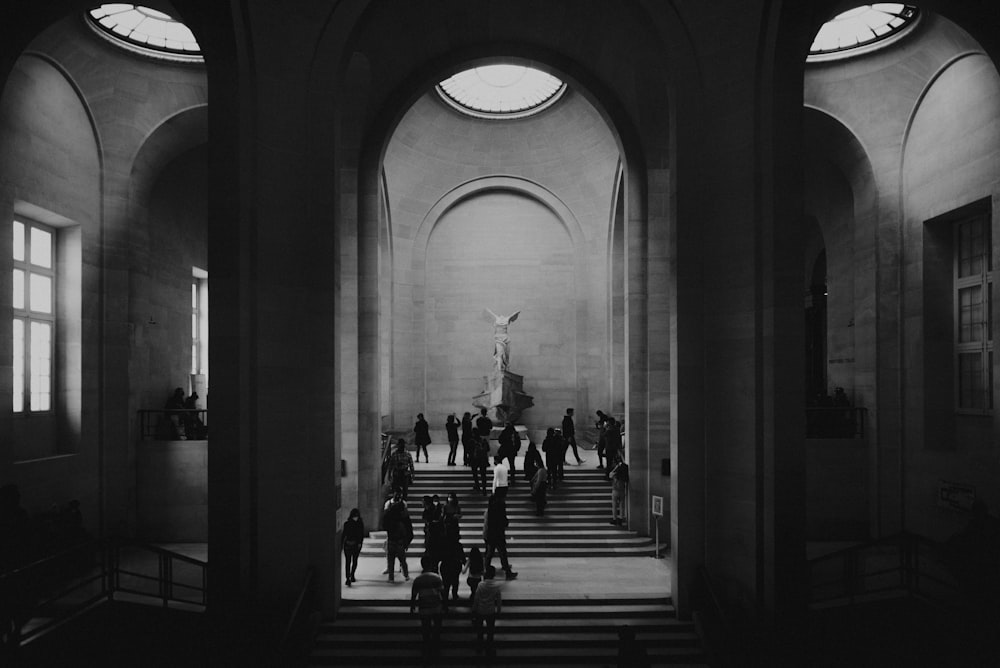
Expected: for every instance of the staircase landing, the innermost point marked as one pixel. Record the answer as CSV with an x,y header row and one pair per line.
x,y
579,580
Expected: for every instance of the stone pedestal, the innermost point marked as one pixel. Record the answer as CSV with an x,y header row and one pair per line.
x,y
503,397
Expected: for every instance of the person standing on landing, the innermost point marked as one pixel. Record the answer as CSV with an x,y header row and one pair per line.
x,y
422,436
484,425
351,538
466,437
569,433
451,426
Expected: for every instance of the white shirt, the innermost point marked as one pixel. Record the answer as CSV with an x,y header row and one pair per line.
x,y
500,473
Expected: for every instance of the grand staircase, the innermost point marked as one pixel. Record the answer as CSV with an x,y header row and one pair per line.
x,y
581,579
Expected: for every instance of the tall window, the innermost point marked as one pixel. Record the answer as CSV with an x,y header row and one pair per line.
x,y
199,321
974,314
34,316
195,327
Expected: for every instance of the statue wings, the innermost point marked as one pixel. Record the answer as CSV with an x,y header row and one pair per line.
x,y
499,319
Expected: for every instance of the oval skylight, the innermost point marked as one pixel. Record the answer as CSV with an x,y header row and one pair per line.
x,y
501,91
146,30
862,26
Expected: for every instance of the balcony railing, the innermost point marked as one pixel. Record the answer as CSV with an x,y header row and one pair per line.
x,y
835,422
40,596
173,424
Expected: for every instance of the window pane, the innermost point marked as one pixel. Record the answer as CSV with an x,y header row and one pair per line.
x,y
194,358
41,293
989,385
971,248
971,381
18,289
41,366
970,314
18,360
989,311
194,295
41,248
194,326
18,241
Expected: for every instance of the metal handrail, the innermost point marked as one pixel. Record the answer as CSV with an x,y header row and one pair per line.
x,y
905,560
151,420
26,585
835,421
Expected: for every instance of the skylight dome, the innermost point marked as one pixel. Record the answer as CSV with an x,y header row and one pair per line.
x,y
145,30
501,91
864,26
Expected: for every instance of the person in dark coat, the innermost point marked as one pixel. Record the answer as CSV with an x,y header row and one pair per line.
x,y
510,443
350,542
569,433
451,426
466,437
532,461
484,425
399,535
422,436
552,446
495,533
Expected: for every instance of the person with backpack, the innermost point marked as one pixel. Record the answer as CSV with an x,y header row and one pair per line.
x,y
619,492
539,486
486,605
399,535
479,459
427,598
475,568
400,466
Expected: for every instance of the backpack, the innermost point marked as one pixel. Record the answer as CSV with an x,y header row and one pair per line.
x,y
621,472
429,601
481,452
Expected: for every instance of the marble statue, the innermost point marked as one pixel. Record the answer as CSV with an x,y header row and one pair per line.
x,y
501,340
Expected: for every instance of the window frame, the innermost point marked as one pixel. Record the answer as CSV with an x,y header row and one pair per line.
x,y
30,317
983,347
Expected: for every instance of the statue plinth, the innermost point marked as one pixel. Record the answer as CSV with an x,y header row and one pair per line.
x,y
503,397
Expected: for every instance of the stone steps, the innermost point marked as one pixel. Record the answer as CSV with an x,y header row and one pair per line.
x,y
536,632
539,624
576,519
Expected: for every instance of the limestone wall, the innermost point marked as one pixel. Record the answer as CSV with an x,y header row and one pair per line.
x,y
529,233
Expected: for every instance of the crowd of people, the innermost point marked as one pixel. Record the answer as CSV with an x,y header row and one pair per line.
x,y
445,559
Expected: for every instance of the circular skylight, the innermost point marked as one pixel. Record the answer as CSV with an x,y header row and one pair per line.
x,y
501,91
862,26
146,30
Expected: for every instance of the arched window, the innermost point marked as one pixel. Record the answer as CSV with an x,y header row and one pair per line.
x,y
862,28
146,31
501,90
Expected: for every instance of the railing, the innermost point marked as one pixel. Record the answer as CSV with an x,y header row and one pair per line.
x,y
39,596
171,424
904,563
835,422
